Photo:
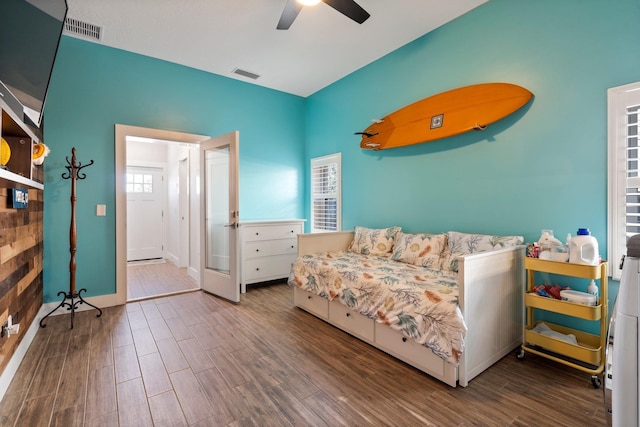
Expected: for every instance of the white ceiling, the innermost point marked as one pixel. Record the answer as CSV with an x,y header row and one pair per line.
x,y
218,36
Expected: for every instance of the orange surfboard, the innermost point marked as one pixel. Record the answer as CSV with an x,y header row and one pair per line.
x,y
445,114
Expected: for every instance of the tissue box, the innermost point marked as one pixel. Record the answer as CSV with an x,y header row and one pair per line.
x,y
578,297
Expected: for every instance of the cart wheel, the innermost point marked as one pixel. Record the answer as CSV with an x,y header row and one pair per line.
x,y
520,354
595,381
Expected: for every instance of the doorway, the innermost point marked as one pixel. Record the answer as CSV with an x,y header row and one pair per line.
x,y
164,257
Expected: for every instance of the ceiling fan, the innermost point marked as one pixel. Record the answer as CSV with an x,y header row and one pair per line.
x,y
348,8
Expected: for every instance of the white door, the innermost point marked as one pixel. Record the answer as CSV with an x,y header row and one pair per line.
x,y
145,226
219,201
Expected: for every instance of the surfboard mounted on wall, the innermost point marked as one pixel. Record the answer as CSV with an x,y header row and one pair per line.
x,y
445,114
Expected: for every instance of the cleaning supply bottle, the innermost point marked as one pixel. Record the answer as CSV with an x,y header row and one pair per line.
x,y
592,288
584,248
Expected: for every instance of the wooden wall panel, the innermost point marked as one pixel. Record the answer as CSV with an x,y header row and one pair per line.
x,y
21,249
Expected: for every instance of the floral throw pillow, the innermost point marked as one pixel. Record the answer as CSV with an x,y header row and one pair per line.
x,y
424,250
374,241
465,243
449,261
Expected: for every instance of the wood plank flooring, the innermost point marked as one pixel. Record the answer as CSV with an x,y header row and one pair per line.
x,y
148,280
196,360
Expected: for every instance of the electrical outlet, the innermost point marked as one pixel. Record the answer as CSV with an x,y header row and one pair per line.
x,y
14,329
9,328
5,328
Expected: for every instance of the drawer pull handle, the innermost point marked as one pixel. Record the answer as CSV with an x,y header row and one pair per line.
x,y
257,234
257,250
292,246
404,339
309,297
348,314
257,268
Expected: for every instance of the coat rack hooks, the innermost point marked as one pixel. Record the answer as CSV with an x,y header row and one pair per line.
x,y
73,173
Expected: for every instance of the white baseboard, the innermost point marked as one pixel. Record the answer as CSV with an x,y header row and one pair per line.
x,y
194,274
101,301
173,259
13,365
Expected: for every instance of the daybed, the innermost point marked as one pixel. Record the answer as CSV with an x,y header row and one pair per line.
x,y
449,304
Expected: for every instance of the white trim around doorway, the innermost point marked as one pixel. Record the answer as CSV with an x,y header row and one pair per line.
x,y
121,134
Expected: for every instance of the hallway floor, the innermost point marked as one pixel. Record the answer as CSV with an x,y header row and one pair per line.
x,y
150,279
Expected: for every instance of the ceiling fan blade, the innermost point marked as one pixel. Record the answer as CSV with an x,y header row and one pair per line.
x,y
289,14
350,9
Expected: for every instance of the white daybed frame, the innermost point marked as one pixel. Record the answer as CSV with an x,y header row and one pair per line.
x,y
491,287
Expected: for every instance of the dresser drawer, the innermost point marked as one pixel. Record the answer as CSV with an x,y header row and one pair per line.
x,y
267,232
262,248
312,303
267,268
351,321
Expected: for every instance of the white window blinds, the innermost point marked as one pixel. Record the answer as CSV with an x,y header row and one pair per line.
x,y
632,223
624,179
325,193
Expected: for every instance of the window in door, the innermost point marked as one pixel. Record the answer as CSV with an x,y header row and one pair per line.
x,y
139,183
624,178
326,193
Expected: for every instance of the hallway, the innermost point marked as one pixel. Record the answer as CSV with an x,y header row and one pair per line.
x,y
152,278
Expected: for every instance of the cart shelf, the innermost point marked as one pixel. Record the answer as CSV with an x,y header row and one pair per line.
x,y
587,312
587,350
588,355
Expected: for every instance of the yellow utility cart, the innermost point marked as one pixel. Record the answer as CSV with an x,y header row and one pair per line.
x,y
589,354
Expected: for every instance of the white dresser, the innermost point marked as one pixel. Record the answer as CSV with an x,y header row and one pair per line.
x,y
267,249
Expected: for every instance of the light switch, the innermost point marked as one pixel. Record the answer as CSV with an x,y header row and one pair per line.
x,y
101,210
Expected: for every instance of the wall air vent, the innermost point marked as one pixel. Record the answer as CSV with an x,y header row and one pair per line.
x,y
84,30
245,73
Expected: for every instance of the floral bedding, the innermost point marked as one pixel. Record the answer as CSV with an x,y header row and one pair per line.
x,y
419,302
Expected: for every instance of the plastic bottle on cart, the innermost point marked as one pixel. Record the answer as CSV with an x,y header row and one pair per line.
x,y
592,288
584,248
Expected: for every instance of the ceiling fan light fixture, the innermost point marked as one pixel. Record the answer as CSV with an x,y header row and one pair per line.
x,y
348,8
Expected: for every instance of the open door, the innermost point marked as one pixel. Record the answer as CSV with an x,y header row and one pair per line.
x,y
219,200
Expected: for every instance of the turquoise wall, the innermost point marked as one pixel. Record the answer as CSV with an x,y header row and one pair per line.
x,y
94,87
543,167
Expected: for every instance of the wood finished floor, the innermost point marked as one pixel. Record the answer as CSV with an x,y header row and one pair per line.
x,y
152,279
193,359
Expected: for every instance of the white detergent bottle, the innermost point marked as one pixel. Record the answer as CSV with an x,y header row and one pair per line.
x,y
592,288
584,248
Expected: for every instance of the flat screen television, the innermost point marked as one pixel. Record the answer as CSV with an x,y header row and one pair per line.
x,y
30,32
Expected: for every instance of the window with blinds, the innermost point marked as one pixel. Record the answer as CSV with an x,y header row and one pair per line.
x,y
632,223
624,167
325,193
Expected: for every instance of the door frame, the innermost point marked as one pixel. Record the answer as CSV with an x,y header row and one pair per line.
x,y
184,211
121,134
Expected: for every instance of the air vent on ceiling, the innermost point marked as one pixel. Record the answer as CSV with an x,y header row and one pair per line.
x,y
75,27
245,73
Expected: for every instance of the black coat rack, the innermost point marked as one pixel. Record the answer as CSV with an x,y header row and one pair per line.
x,y
75,298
